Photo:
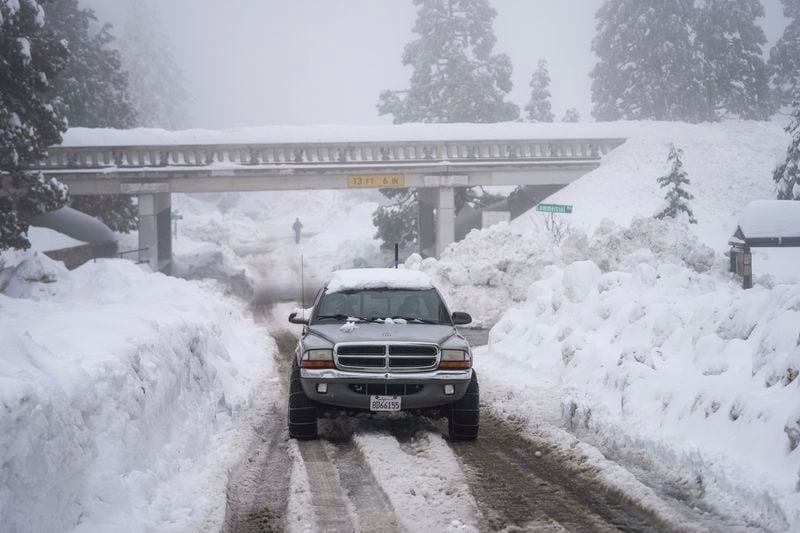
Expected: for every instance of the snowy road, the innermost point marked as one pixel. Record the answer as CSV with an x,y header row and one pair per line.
x,y
401,475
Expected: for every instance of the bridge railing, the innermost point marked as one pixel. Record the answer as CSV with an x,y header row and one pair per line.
x,y
326,154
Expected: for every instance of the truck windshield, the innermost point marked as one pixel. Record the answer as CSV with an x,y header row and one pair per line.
x,y
377,304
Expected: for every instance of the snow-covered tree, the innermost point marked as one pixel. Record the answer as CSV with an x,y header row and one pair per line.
x,y
31,56
647,68
94,89
729,44
397,220
784,58
539,108
93,86
787,175
155,80
677,197
571,115
456,77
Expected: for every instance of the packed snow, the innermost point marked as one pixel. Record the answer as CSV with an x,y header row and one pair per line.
x,y
378,278
77,137
120,392
771,219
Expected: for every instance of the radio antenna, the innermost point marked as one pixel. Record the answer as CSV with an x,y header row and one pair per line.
x,y
302,287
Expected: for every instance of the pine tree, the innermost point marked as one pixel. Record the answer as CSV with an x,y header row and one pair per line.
x,y
456,77
571,115
784,58
729,43
93,86
677,197
787,175
156,83
647,68
539,107
397,221
94,89
30,57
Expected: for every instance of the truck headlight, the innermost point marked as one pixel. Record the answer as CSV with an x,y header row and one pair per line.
x,y
317,359
455,360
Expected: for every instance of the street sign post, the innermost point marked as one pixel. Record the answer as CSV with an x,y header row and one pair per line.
x,y
175,216
554,208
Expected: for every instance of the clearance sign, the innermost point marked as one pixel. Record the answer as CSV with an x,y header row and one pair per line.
x,y
376,181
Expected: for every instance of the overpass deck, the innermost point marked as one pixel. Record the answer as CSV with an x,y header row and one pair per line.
x,y
442,158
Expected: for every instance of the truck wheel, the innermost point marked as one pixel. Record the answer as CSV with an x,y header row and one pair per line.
x,y
302,410
463,418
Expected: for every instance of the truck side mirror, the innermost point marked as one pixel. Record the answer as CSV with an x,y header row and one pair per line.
x,y
461,319
296,318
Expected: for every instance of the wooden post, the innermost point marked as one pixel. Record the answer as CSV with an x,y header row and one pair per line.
x,y
747,270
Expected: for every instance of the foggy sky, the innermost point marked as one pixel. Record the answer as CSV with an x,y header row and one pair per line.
x,y
302,62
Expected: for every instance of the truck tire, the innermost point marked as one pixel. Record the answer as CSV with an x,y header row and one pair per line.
x,y
302,410
463,418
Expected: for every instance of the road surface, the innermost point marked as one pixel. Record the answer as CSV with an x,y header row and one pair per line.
x,y
402,474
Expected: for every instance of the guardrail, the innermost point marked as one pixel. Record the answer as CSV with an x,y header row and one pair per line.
x,y
324,154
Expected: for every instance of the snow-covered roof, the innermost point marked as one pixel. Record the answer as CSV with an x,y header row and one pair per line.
x,y
378,278
763,219
77,137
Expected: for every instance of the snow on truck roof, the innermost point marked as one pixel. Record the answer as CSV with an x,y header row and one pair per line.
x,y
378,278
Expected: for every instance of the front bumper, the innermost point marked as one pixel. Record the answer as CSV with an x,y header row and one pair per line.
x,y
340,386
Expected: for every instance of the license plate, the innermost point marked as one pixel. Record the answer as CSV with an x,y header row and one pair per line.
x,y
384,403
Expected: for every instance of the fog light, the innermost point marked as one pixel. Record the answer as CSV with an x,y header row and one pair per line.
x,y
322,388
449,389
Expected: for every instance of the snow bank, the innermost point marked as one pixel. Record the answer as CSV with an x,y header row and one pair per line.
x,y
491,270
655,357
198,261
119,389
729,165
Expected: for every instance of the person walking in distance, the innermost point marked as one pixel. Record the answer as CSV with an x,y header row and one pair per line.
x,y
297,227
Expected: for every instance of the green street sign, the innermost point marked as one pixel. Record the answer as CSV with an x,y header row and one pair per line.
x,y
554,208
176,215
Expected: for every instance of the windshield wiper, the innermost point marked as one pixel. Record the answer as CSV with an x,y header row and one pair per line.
x,y
341,317
416,319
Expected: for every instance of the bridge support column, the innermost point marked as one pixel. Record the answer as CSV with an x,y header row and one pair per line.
x,y
436,219
445,219
155,231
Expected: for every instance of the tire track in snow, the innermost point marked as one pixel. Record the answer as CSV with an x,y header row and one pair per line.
x,y
373,509
331,508
258,487
420,475
516,487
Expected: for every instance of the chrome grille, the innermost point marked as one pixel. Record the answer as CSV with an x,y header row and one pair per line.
x,y
387,357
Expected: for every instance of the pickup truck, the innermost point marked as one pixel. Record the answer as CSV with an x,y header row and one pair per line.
x,y
382,340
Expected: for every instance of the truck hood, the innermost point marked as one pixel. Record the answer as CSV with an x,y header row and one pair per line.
x,y
379,333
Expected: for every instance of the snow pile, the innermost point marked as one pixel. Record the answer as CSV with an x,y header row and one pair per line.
x,y
655,356
218,262
119,391
491,269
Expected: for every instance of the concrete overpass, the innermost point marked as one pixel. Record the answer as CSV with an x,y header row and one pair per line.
x,y
436,167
